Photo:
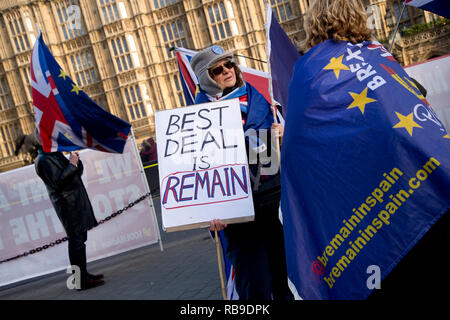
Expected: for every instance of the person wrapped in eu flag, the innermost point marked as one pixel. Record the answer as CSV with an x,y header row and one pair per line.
x,y
365,176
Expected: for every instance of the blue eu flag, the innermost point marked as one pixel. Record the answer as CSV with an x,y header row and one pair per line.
x,y
365,169
65,115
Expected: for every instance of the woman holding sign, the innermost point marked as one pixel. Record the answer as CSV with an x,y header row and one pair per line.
x,y
256,249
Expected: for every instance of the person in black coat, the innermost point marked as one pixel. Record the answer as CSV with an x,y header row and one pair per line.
x,y
62,178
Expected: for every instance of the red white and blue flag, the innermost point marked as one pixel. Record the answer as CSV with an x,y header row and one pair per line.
x,y
440,7
66,117
189,81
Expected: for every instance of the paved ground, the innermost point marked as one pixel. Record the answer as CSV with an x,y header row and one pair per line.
x,y
187,269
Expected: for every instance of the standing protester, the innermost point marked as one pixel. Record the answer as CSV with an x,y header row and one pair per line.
x,y
62,178
336,142
256,249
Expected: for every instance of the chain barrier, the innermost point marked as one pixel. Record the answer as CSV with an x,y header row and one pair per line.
x,y
59,241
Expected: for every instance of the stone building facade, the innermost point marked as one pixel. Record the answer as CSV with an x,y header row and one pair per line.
x,y
118,51
432,42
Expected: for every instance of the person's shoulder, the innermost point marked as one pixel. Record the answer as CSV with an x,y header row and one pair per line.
x,y
251,89
253,93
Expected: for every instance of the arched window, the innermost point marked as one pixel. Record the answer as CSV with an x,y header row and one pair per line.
x,y
282,9
173,36
219,21
69,18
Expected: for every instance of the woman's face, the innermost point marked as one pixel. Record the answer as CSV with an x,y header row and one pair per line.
x,y
223,73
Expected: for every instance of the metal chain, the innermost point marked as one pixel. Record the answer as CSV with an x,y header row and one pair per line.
x,y
56,242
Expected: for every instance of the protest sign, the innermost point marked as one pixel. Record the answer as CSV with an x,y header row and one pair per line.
x,y
203,166
434,75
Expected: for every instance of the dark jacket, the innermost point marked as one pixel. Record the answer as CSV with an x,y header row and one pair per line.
x,y
66,191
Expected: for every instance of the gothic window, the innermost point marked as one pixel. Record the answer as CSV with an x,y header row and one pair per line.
x,y
135,102
282,10
219,21
109,10
8,133
5,97
18,32
122,55
25,72
179,91
173,36
163,3
83,66
69,17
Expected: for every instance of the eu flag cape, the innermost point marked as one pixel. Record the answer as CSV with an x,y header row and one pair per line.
x,y
66,117
365,169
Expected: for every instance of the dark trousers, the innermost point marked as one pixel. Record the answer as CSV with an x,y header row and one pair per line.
x,y
421,274
77,253
256,250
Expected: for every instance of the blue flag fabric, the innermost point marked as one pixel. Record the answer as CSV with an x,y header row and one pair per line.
x,y
282,56
365,169
440,7
66,117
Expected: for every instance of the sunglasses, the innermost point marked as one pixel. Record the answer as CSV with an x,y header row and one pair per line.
x,y
218,70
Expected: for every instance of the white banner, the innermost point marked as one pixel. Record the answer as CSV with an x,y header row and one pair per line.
x,y
203,167
434,76
28,220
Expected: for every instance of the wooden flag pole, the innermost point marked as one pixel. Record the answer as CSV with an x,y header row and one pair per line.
x,y
219,260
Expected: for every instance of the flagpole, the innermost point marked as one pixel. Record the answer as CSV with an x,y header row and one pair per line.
x,y
396,28
272,102
219,260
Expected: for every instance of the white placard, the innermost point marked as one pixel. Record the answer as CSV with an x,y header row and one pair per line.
x,y
434,75
203,166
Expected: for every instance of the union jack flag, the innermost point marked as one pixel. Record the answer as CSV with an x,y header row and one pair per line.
x,y
440,7
67,119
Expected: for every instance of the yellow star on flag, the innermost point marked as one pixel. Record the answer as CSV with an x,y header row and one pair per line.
x,y
68,136
62,74
447,136
75,88
336,65
406,122
360,100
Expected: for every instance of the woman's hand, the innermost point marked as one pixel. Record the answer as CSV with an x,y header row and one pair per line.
x,y
217,224
277,131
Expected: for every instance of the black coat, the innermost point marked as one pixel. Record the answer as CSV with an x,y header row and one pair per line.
x,y
66,191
